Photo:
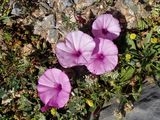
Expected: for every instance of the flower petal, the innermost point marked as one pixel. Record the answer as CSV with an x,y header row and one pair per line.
x,y
51,88
76,50
47,95
75,38
65,58
106,22
96,67
104,58
107,47
110,63
62,99
66,86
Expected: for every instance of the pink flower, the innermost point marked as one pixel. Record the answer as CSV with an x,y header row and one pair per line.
x,y
104,58
106,26
76,50
54,89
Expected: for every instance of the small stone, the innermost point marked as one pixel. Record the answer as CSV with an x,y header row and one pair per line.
x,y
101,6
42,27
66,3
50,2
84,3
52,35
17,9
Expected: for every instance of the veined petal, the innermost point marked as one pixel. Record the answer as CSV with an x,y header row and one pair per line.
x,y
75,38
51,88
104,58
62,98
106,26
96,67
47,95
76,50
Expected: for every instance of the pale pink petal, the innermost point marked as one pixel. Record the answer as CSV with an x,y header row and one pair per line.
x,y
104,58
106,26
47,95
114,26
62,99
45,80
87,43
96,67
114,29
76,50
66,86
56,73
49,78
75,38
110,62
107,47
65,58
42,88
50,86
65,46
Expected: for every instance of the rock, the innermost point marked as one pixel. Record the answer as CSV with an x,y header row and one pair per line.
x,y
46,27
84,3
132,5
50,3
132,10
108,113
146,108
66,3
76,1
127,12
52,35
17,9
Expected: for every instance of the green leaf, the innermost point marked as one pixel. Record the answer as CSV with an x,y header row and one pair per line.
x,y
24,104
39,116
136,93
7,36
141,24
127,73
2,92
148,37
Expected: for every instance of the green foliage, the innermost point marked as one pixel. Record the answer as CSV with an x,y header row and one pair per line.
x,y
4,11
142,24
127,73
39,116
7,36
24,104
156,11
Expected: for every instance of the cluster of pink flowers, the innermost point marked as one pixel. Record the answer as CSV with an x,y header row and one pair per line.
x,y
98,54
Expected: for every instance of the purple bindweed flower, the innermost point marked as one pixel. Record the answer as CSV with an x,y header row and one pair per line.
x,y
76,50
54,89
104,58
106,26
